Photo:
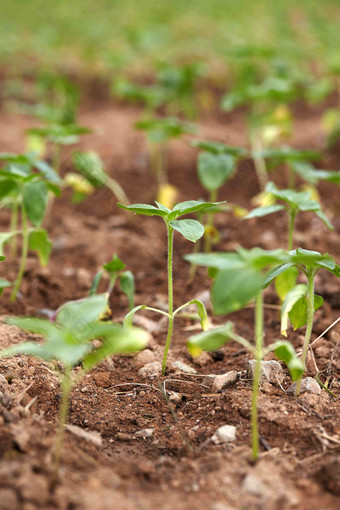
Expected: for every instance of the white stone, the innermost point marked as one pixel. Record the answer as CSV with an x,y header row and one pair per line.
x,y
183,367
144,433
151,370
271,371
174,397
308,385
144,357
224,434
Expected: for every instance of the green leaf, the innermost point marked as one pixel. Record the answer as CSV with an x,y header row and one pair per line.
x,y
259,212
7,186
275,272
210,340
298,313
35,200
116,339
190,229
40,242
219,148
285,281
292,297
312,259
115,265
217,260
320,214
128,319
234,289
285,351
3,284
75,316
214,169
202,313
90,165
127,284
144,209
335,271
191,206
4,238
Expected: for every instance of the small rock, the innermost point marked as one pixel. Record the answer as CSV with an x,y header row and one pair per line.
x,y
123,436
224,434
92,436
144,357
84,277
103,379
174,397
144,433
271,371
183,367
308,385
253,485
151,370
220,382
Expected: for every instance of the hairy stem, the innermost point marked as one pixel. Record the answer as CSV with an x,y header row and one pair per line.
x,y
259,161
66,386
310,317
14,227
24,253
170,232
209,226
257,373
291,222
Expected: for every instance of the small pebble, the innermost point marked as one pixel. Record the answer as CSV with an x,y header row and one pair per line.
x,y
308,385
151,370
224,434
271,371
220,382
144,433
183,367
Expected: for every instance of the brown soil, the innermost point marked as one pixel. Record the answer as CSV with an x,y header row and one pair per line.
x,y
177,466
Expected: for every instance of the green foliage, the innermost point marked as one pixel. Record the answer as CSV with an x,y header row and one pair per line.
x,y
115,269
161,130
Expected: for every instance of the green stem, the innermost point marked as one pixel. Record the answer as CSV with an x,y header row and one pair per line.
x,y
112,283
259,161
24,253
66,386
257,373
291,223
209,226
310,317
13,227
170,232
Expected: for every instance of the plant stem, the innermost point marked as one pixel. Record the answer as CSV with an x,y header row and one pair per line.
x,y
170,232
291,222
209,226
257,372
310,316
259,162
24,252
66,386
13,227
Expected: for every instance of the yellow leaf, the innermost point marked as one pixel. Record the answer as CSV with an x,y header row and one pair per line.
x,y
167,195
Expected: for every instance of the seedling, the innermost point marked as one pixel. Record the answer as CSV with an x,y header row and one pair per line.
x,y
115,270
239,278
152,96
293,203
191,230
158,134
26,192
91,167
216,164
301,302
68,342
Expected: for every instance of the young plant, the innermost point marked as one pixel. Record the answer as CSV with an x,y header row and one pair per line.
x,y
69,342
25,191
293,203
239,278
216,164
159,132
115,270
151,96
300,302
91,167
191,230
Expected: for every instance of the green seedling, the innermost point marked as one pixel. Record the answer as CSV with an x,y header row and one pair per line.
x,y
25,183
238,279
151,96
158,134
69,342
216,164
294,202
191,230
115,270
300,302
91,167
3,283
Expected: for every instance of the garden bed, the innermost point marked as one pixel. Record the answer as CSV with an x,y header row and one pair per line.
x,y
175,464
